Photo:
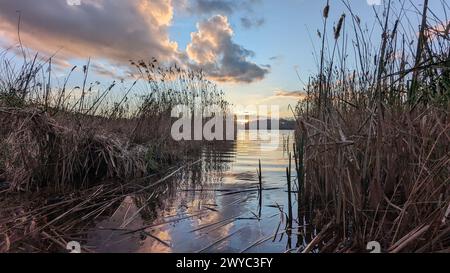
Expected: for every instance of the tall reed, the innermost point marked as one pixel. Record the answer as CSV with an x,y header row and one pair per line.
x,y
64,137
372,155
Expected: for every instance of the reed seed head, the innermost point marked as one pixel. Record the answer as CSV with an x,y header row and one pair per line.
x,y
326,11
337,31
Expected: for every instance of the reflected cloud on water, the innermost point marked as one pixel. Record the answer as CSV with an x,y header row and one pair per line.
x,y
212,207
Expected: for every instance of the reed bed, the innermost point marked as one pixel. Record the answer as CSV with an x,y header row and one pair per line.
x,y
372,142
41,153
69,154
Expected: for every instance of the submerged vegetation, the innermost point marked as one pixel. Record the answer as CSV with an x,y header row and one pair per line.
x,y
372,143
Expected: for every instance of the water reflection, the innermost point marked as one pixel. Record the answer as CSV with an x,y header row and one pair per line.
x,y
215,206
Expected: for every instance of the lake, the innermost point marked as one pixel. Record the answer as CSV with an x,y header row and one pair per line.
x,y
214,206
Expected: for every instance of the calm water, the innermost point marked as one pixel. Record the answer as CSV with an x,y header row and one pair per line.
x,y
212,207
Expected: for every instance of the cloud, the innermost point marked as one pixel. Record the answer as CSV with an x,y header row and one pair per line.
x,y
221,6
213,50
212,6
283,97
290,94
374,2
250,23
107,71
116,30
276,58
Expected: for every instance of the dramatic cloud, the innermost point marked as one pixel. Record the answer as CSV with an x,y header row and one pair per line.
x,y
116,30
112,32
213,50
250,23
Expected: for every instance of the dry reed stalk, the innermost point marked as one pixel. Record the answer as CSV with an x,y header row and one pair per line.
x,y
64,160
374,164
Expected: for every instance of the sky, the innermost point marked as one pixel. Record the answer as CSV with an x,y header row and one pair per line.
x,y
257,51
